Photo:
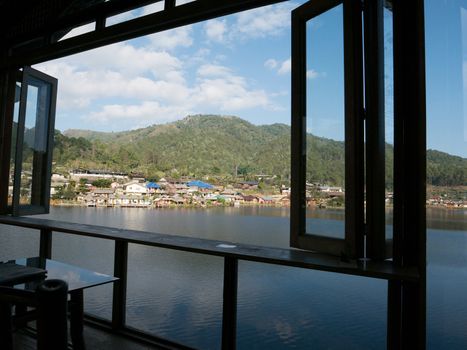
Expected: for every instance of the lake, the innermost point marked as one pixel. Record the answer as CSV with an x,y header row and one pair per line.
x,y
178,295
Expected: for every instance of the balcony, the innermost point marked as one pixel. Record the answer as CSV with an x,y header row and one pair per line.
x,y
231,253
95,339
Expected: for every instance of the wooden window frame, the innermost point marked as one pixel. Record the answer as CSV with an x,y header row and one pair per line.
x,y
43,184
353,244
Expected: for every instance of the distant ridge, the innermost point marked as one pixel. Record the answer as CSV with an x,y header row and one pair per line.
x,y
90,134
222,146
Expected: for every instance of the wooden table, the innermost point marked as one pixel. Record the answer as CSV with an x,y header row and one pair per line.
x,y
77,279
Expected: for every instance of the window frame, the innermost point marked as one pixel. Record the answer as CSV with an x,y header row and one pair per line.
x,y
26,78
352,246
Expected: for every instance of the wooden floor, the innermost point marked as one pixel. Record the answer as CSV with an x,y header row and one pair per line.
x,y
94,338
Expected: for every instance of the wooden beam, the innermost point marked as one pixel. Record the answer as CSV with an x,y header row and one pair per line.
x,y
178,16
276,256
75,18
410,168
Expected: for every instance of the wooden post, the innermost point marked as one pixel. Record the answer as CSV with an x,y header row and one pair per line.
x,y
229,312
375,135
45,249
409,172
119,289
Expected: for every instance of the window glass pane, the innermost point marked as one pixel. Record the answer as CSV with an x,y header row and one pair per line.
x,y
35,143
389,116
325,176
13,143
28,146
446,111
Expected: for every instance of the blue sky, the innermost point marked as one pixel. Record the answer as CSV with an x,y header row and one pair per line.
x,y
240,65
446,75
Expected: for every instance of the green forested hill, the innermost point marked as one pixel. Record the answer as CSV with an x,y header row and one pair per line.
x,y
213,145
446,170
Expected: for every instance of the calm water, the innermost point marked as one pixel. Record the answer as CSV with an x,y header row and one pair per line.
x,y
178,295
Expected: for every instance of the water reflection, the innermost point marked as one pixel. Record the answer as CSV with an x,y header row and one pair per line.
x,y
178,295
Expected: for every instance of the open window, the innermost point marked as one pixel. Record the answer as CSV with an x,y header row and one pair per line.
x,y
32,142
355,45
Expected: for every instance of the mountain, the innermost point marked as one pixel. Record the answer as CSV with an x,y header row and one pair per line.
x,y
196,145
445,170
220,146
90,135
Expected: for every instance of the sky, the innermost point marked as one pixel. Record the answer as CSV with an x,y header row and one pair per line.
x,y
240,65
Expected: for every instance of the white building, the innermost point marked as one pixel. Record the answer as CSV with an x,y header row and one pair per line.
x,y
135,188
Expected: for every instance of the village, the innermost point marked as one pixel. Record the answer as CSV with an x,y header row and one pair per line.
x,y
98,188
109,189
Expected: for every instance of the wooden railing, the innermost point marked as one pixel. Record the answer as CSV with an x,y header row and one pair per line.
x,y
231,252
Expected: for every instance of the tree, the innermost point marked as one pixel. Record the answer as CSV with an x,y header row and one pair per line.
x,y
244,170
65,192
102,183
82,185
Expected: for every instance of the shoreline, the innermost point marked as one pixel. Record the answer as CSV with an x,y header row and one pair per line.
x,y
240,205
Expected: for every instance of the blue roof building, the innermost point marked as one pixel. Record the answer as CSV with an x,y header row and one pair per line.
x,y
200,184
152,185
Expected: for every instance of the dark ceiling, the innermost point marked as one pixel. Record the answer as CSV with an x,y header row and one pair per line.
x,y
30,30
25,18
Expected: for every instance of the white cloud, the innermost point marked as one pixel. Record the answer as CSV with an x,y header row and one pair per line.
x,y
139,86
271,63
213,70
216,29
264,21
201,56
286,67
219,87
312,74
261,22
146,113
78,89
129,60
229,95
143,82
107,73
170,39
